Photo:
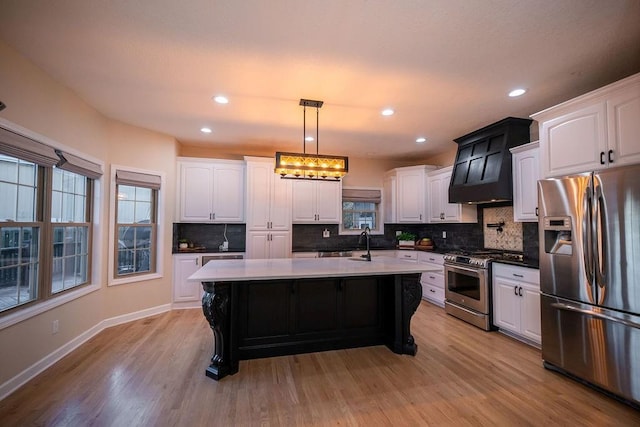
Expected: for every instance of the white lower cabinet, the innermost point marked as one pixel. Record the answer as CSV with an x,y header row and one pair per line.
x,y
186,292
516,301
432,281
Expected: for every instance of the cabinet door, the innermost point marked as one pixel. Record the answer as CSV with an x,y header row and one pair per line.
x,y
574,142
328,201
525,185
303,200
196,192
257,245
280,244
259,176
506,304
183,289
317,305
410,202
228,193
434,203
623,124
389,192
280,206
451,211
530,313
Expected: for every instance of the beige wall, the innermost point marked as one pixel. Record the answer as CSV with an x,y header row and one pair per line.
x,y
39,104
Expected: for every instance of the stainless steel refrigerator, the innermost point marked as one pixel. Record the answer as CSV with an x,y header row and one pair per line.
x,y
590,278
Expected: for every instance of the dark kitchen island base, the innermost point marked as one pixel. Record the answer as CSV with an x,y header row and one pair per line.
x,y
265,318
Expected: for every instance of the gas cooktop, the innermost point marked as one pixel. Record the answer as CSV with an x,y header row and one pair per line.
x,y
481,258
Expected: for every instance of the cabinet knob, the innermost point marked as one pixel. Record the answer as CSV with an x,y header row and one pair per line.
x,y
431,290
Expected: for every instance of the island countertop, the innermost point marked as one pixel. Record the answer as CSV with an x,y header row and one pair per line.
x,y
293,268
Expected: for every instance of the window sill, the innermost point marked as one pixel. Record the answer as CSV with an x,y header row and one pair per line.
x,y
358,232
28,312
134,279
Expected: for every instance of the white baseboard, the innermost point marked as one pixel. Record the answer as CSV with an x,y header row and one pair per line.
x,y
40,366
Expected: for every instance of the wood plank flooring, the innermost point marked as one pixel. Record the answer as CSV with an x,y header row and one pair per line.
x,y
151,373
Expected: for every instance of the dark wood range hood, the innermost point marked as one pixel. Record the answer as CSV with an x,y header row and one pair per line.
x,y
482,169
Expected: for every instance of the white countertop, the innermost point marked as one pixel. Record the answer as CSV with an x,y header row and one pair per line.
x,y
292,268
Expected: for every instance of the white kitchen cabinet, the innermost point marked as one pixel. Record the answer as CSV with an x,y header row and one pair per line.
x,y
268,196
389,191
268,244
211,190
438,207
526,173
404,190
316,202
594,131
516,301
433,281
186,293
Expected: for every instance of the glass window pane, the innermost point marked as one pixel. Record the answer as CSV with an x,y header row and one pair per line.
x,y
57,179
126,192
67,207
70,262
126,211
81,184
8,169
143,212
68,182
9,198
80,206
18,265
27,174
143,194
26,204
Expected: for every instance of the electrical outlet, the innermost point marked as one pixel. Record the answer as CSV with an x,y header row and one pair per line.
x,y
55,327
444,234
398,232
326,233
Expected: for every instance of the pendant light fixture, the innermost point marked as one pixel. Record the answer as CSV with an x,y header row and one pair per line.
x,y
310,166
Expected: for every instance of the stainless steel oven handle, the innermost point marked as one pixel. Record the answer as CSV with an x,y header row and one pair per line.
x,y
591,313
450,267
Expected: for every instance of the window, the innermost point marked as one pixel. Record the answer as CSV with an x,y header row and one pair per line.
x,y
45,221
360,209
136,221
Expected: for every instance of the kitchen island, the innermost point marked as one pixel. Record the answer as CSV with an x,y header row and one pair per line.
x,y
272,307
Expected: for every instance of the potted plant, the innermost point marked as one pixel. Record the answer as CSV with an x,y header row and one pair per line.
x,y
406,239
183,243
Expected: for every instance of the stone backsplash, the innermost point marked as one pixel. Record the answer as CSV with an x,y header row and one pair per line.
x,y
507,237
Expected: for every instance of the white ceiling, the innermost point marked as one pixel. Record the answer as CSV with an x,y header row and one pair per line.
x,y
445,66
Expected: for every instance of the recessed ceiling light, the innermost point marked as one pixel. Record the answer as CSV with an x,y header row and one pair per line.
x,y
205,130
221,99
517,92
421,140
387,112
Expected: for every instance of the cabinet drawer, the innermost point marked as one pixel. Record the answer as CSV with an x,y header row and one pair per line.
x,y
513,272
433,279
431,258
408,255
433,294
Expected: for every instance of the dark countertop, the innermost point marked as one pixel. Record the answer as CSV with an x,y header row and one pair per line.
x,y
205,250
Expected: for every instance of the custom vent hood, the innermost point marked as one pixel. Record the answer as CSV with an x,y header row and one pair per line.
x,y
482,169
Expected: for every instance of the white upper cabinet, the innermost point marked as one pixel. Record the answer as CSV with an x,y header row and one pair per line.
x,y
594,131
526,172
405,194
316,201
211,190
438,207
268,196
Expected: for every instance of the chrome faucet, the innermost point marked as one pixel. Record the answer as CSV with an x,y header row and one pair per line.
x,y
366,234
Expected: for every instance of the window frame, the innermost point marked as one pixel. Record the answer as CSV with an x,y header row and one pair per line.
x,y
379,230
113,278
46,299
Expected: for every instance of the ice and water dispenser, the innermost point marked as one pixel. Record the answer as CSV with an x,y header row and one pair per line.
x,y
558,236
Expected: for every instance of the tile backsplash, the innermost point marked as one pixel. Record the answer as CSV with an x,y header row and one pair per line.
x,y
510,238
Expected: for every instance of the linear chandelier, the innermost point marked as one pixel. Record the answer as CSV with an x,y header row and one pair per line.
x,y
310,166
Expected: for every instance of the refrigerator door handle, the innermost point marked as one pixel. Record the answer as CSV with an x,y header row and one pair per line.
x,y
600,238
587,235
604,316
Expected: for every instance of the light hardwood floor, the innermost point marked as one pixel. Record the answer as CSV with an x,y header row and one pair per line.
x,y
151,373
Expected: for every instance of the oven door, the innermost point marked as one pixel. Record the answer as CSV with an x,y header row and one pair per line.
x,y
467,286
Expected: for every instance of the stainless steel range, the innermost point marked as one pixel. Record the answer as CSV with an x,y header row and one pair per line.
x,y
467,289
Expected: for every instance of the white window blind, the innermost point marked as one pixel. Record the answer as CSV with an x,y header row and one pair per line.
x,y
361,195
78,165
138,179
21,147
